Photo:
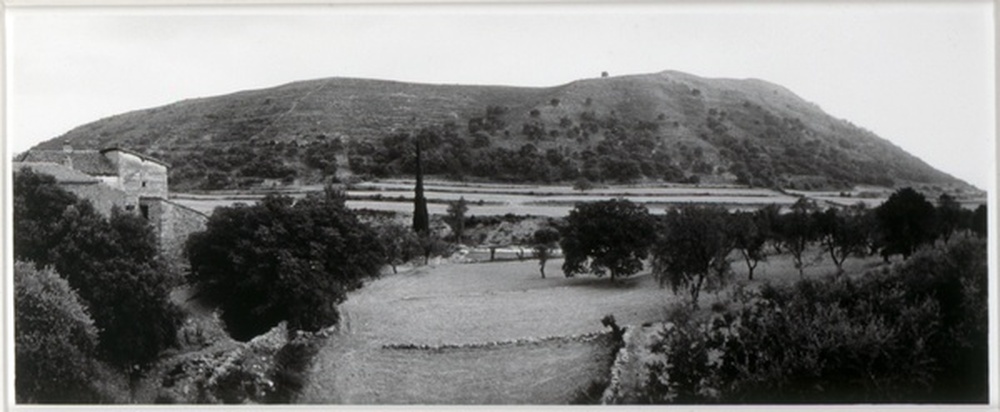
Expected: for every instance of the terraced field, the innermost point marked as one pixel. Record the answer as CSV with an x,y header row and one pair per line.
x,y
495,199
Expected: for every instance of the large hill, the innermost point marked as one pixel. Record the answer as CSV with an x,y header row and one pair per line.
x,y
666,126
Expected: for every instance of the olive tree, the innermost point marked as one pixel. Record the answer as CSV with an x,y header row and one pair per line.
x,y
544,240
796,230
693,245
610,236
841,233
749,232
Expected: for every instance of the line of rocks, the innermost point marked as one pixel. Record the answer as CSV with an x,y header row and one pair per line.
x,y
586,337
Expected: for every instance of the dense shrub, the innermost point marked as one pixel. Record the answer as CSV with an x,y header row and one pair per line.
x,y
55,343
282,260
907,221
917,333
291,367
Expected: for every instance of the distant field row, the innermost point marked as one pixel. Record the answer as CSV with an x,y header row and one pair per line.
x,y
546,201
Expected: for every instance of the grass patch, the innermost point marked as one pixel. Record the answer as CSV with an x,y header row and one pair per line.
x,y
548,372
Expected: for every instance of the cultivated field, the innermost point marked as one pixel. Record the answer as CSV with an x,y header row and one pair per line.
x,y
545,201
492,302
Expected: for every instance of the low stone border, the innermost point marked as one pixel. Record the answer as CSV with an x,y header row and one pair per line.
x,y
586,337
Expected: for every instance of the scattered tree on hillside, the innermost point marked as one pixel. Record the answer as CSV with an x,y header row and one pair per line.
x,y
606,236
544,240
283,260
693,245
111,263
796,230
55,342
456,218
907,221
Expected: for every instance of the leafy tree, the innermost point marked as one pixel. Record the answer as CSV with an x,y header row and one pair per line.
x,y
115,268
770,217
949,216
796,230
55,342
606,236
907,221
544,240
432,245
112,263
399,242
979,222
278,260
693,244
582,184
38,208
749,233
481,140
456,217
841,232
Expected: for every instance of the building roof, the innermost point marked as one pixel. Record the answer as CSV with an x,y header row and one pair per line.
x,y
62,173
90,162
134,153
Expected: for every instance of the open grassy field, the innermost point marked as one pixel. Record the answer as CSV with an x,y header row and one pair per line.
x,y
493,302
551,372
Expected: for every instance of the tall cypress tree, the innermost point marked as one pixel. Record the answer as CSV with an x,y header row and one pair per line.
x,y
421,223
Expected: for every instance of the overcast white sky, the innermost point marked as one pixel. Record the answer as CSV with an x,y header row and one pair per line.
x,y
920,75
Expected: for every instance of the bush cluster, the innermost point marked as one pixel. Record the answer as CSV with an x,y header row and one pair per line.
x,y
917,333
55,343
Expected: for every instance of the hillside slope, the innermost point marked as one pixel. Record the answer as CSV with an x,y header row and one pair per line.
x,y
666,126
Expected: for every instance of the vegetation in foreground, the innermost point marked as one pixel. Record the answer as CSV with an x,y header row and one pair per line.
x,y
115,278
916,333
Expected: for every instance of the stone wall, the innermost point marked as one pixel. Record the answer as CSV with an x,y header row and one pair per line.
x,y
102,196
174,223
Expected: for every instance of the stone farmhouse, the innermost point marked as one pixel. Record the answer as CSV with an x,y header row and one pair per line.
x,y
120,177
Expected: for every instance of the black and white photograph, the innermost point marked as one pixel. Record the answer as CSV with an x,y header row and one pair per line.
x,y
479,203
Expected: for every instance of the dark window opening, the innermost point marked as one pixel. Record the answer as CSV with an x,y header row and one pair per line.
x,y
144,209
143,184
129,207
